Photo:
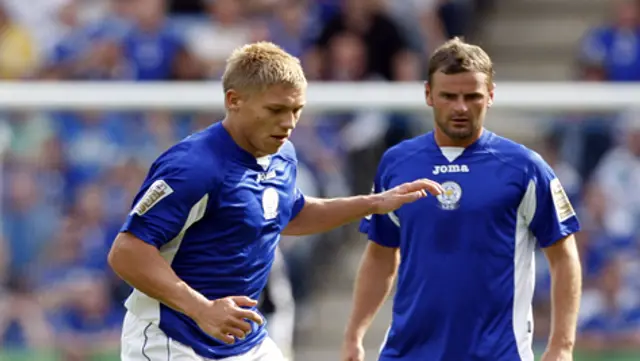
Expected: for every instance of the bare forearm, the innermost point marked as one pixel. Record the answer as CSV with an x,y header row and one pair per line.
x,y
373,284
322,215
141,265
565,299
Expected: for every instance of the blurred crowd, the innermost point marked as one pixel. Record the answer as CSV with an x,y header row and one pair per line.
x,y
68,178
597,157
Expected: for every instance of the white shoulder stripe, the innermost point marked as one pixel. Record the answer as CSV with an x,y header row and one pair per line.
x,y
392,216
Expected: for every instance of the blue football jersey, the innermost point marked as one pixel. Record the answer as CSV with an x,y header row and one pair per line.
x,y
466,276
215,213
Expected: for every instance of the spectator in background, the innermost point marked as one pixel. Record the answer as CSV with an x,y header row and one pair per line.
x,y
46,20
90,211
293,26
610,314
23,323
151,133
382,38
566,172
346,56
60,263
619,173
596,242
18,52
616,46
121,184
24,208
93,50
91,142
421,22
226,28
586,136
152,47
27,132
457,16
52,173
89,323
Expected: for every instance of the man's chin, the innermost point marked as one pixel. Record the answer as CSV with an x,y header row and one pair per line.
x,y
459,134
269,149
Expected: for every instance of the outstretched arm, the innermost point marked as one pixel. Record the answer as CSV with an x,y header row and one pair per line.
x,y
321,215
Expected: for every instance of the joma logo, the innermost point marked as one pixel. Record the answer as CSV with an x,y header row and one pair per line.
x,y
451,168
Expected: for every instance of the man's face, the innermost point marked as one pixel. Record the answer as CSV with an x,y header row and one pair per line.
x,y
459,103
268,117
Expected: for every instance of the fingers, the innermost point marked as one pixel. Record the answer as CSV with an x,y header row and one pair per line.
x,y
412,197
232,329
243,326
422,185
244,301
248,315
234,332
434,188
225,338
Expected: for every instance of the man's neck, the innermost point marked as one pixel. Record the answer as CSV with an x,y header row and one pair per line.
x,y
443,140
238,138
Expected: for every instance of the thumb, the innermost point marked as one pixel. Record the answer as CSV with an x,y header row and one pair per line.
x,y
244,301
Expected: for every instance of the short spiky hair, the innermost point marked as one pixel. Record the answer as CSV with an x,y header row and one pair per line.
x,y
254,67
455,56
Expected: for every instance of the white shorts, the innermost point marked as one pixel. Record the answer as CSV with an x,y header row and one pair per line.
x,y
144,341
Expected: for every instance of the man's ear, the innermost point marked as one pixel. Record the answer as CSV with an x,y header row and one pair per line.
x,y
232,100
428,96
492,91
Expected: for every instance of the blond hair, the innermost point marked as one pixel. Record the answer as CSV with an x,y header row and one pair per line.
x,y
257,66
455,56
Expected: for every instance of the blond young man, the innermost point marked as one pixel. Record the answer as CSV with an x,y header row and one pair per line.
x,y
199,242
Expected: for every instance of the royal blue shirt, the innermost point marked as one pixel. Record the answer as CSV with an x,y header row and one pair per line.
x,y
215,212
152,55
466,276
618,51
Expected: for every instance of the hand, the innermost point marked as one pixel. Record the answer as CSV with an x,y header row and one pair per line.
x,y
557,355
225,319
406,193
352,351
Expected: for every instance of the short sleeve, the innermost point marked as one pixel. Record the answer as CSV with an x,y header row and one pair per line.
x,y
298,202
162,206
547,207
383,229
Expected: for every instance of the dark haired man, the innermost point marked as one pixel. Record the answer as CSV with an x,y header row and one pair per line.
x,y
466,279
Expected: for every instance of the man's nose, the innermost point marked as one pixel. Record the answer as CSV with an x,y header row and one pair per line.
x,y
460,105
288,121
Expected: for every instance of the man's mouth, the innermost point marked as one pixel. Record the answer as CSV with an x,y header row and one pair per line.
x,y
280,138
460,120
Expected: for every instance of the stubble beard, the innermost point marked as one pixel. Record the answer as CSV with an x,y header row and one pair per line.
x,y
456,134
